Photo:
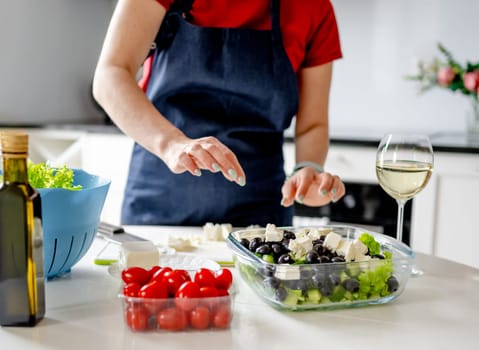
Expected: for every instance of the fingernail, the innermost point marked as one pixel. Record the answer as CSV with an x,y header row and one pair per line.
x,y
333,192
197,172
334,199
300,199
241,181
283,201
232,173
215,167
324,193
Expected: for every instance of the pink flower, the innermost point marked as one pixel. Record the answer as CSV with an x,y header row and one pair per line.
x,y
471,80
445,76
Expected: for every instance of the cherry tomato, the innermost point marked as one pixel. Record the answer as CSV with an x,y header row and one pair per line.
x,y
131,289
153,289
200,317
224,279
136,318
208,292
158,275
222,317
205,277
153,269
222,292
184,273
187,295
135,274
173,280
172,319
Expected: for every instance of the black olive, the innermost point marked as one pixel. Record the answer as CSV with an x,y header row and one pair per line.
x,y
285,243
312,257
271,282
263,249
351,285
255,243
244,242
277,249
393,284
266,270
289,234
326,289
285,259
318,280
318,248
324,259
334,279
280,294
337,259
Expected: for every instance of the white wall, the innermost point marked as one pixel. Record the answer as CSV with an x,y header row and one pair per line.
x,y
48,52
49,48
382,41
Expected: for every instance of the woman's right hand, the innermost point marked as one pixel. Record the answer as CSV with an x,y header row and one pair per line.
x,y
207,153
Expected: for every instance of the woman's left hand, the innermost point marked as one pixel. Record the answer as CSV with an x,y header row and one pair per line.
x,y
311,188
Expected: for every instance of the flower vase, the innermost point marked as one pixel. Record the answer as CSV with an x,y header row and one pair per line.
x,y
473,119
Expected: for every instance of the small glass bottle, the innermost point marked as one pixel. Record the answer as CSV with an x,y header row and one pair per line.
x,y
22,281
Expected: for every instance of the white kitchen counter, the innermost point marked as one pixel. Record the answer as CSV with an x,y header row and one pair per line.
x,y
439,310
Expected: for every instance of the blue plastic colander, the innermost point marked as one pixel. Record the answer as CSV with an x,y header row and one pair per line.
x,y
70,221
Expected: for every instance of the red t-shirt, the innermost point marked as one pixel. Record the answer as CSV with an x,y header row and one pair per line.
x,y
309,29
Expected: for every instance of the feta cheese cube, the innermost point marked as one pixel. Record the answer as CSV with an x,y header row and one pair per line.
x,y
225,230
332,240
287,272
212,232
346,249
314,234
360,248
300,246
272,234
142,253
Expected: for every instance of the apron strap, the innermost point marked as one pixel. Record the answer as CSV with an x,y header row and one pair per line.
x,y
182,6
275,25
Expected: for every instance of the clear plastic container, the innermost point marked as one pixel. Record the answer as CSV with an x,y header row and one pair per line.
x,y
324,285
175,314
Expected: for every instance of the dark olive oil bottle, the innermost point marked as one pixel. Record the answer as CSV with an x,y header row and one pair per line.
x,y
22,281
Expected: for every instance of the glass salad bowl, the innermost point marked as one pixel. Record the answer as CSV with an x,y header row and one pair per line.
x,y
322,267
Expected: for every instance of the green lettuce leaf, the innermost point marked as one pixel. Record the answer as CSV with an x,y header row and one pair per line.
x,y
42,175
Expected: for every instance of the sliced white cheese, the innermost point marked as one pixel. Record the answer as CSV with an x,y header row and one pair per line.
x,y
332,240
273,234
360,248
143,254
346,250
212,232
301,232
287,272
182,244
225,230
300,246
314,234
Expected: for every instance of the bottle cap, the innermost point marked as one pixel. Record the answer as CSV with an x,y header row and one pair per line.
x,y
14,142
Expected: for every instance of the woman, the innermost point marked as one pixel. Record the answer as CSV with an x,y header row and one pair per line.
x,y
208,116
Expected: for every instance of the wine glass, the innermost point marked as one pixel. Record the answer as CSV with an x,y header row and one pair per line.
x,y
404,165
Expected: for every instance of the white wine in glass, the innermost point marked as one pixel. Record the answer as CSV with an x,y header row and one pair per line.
x,y
404,165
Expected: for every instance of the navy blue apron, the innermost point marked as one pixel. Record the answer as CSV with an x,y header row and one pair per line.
x,y
236,84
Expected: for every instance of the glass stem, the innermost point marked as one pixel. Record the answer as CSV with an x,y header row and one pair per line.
x,y
401,203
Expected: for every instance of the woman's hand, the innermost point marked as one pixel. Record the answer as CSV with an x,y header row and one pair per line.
x,y
192,155
311,188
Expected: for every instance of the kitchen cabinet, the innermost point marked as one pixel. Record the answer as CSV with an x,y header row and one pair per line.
x,y
443,215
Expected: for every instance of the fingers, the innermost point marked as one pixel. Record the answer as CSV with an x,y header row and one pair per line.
x,y
209,153
311,188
